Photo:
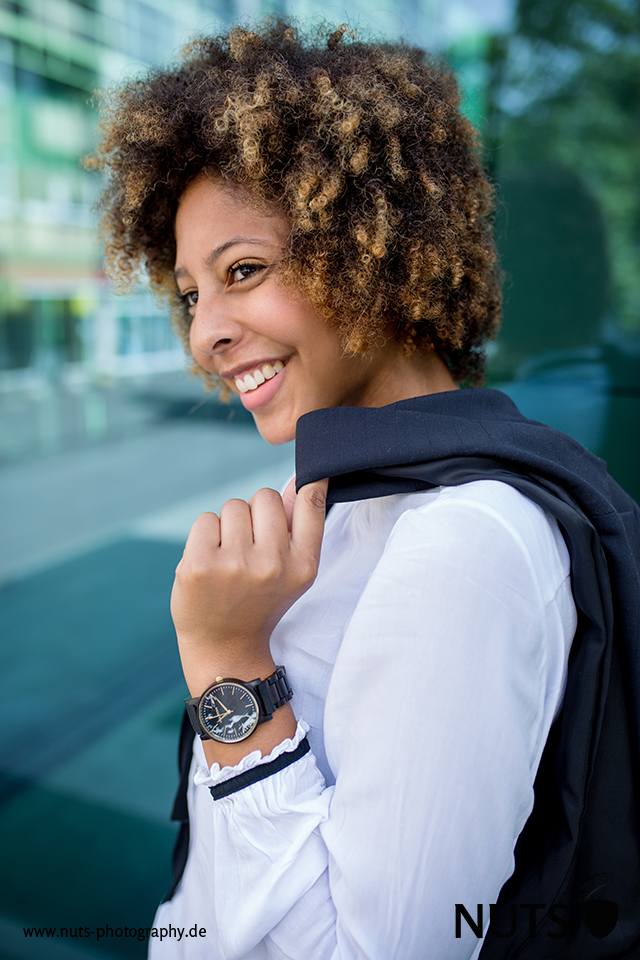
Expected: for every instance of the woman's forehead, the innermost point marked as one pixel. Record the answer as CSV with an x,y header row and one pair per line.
x,y
213,216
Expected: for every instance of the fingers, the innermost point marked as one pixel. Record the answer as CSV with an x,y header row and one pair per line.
x,y
269,522
308,520
201,547
242,571
236,530
240,524
204,535
263,523
289,500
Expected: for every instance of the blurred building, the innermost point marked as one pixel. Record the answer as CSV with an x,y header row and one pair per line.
x,y
58,318
59,321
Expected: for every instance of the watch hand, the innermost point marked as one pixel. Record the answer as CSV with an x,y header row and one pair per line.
x,y
226,714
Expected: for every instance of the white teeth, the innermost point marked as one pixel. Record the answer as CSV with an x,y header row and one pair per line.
x,y
254,380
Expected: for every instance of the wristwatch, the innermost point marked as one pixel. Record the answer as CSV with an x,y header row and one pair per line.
x,y
230,710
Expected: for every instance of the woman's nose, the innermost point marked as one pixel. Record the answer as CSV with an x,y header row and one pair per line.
x,y
212,329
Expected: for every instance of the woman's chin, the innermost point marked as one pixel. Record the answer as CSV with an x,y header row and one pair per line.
x,y
274,433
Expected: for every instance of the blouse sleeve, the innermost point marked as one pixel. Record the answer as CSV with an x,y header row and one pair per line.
x,y
449,675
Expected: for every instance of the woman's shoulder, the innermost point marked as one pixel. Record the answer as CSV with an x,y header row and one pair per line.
x,y
484,529
495,499
486,519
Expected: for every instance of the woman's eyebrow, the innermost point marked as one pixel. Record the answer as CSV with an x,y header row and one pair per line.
x,y
217,252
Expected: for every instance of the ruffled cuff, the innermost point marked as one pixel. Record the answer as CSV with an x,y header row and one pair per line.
x,y
217,774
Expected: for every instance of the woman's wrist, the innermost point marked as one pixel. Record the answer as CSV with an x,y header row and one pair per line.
x,y
202,666
266,736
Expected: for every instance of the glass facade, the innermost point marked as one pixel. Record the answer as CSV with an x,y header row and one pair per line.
x,y
108,451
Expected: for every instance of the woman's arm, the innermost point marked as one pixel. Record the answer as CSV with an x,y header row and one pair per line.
x,y
239,574
441,698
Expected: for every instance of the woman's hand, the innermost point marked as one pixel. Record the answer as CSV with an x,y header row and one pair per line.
x,y
239,574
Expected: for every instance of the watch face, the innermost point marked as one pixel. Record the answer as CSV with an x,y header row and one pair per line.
x,y
229,712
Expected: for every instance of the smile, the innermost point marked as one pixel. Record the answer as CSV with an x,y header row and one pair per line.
x,y
251,381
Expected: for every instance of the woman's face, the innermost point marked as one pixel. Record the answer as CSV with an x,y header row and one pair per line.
x,y
265,340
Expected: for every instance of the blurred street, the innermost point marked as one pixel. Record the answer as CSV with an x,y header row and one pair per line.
x,y
91,685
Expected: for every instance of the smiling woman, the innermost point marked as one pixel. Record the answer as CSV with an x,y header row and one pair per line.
x,y
360,147
262,339
452,740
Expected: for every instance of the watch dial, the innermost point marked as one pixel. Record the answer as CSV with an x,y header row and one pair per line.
x,y
229,712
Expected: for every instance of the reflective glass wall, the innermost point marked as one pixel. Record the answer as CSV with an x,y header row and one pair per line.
x,y
108,450
562,93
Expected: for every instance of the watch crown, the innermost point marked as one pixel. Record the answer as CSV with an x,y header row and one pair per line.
x,y
218,679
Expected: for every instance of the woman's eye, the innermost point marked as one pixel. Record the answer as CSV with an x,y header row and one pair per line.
x,y
189,299
243,271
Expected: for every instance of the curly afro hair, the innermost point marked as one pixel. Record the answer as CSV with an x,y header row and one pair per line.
x,y
361,145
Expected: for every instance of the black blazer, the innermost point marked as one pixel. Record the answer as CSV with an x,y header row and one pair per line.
x,y
575,891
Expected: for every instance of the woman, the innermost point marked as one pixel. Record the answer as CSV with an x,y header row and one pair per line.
x,y
320,213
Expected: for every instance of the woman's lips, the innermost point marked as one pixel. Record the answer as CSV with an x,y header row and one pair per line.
x,y
263,393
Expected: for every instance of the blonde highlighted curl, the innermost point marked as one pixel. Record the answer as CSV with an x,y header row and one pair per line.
x,y
363,148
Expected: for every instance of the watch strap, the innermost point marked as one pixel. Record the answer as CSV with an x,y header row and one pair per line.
x,y
272,693
194,717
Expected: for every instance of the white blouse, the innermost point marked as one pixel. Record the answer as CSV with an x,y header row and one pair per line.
x,y
428,661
